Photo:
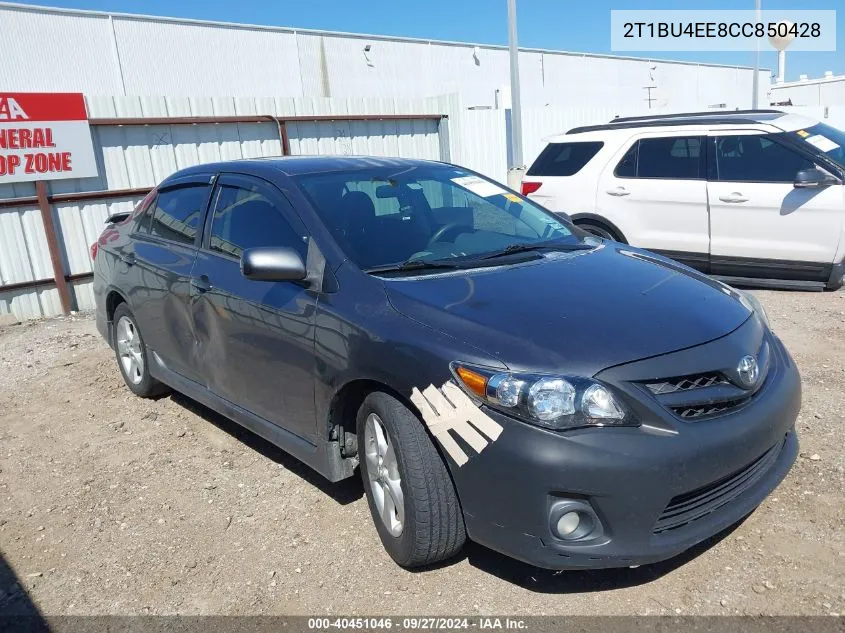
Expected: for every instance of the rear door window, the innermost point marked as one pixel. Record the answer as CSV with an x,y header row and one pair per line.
x,y
564,159
757,158
670,158
178,211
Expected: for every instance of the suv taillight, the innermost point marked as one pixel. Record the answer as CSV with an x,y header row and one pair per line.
x,y
530,187
94,248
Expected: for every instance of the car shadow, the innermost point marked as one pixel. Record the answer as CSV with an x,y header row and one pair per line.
x,y
17,610
489,561
343,492
582,581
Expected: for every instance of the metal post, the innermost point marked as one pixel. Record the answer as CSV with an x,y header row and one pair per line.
x,y
755,85
516,108
53,245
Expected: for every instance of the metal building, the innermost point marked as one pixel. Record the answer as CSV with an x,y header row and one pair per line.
x,y
824,91
119,54
163,93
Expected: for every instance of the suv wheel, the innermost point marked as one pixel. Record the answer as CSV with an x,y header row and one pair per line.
x,y
131,354
600,230
411,496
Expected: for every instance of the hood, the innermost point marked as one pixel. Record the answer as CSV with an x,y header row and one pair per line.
x,y
577,312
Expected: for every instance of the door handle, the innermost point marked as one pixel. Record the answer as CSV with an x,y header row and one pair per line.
x,y
128,258
733,197
618,191
200,285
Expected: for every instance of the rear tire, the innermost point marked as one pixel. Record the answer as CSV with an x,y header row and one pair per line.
x,y
600,230
407,483
131,354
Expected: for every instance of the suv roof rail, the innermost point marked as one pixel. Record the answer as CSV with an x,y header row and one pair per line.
x,y
661,120
684,115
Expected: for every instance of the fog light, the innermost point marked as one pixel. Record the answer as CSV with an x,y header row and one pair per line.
x,y
568,523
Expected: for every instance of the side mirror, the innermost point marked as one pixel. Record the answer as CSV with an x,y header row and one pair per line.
x,y
813,178
272,263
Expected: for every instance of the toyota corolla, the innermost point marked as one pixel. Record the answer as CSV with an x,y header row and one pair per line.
x,y
492,371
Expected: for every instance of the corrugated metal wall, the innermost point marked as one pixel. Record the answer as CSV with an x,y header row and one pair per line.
x,y
137,156
824,92
540,123
99,53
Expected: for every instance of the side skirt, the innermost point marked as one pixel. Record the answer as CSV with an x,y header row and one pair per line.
x,y
774,284
324,457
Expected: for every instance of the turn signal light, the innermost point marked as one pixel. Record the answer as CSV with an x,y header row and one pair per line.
x,y
530,187
474,381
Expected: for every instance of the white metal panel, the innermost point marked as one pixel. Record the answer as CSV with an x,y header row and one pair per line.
x,y
484,143
818,92
24,255
81,224
83,294
159,57
53,51
31,303
406,139
540,123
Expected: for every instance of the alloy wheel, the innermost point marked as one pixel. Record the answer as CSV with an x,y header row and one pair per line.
x,y
383,475
129,350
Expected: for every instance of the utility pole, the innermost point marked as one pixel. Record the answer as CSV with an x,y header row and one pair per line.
x,y
516,108
755,84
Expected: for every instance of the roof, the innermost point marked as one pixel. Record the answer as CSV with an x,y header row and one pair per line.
x,y
777,118
299,165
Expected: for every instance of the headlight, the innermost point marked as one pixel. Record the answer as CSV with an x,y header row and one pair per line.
x,y
554,402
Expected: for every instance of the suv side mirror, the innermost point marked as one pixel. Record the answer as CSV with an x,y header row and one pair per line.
x,y
272,263
811,178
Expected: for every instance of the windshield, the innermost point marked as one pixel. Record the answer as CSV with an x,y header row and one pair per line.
x,y
388,216
826,138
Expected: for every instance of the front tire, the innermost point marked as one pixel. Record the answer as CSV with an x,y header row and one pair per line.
x,y
411,496
131,354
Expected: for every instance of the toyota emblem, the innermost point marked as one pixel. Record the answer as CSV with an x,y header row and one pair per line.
x,y
748,371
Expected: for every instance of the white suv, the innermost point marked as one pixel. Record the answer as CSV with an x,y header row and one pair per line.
x,y
747,195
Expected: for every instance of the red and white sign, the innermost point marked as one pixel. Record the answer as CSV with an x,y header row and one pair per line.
x,y
44,136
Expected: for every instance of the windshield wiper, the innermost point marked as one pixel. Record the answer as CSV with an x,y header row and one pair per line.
x,y
537,246
413,265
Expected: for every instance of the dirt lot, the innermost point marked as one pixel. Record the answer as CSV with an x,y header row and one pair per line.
x,y
113,504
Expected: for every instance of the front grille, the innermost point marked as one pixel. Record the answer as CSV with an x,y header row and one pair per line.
x,y
706,410
684,383
689,507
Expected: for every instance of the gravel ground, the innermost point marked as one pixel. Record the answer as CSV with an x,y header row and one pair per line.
x,y
110,504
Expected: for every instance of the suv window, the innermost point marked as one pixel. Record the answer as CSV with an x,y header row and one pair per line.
x,y
757,158
177,213
672,158
564,159
245,217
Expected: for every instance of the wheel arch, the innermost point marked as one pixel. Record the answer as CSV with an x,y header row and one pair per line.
x,y
114,298
344,405
343,411
592,218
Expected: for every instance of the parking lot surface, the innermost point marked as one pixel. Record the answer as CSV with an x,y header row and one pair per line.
x,y
110,504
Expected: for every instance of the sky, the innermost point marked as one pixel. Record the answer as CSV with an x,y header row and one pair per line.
x,y
570,25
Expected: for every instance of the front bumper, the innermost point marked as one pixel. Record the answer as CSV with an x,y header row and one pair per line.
x,y
629,476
